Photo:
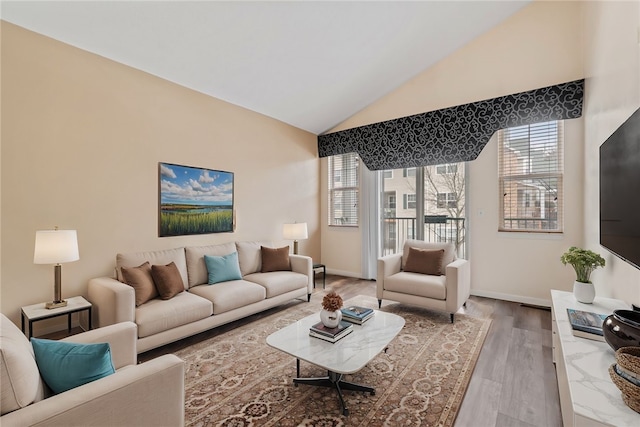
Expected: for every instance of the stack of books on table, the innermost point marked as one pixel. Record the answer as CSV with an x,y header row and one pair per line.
x,y
585,324
356,314
331,334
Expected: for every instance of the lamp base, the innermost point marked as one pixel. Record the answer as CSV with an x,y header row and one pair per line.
x,y
55,304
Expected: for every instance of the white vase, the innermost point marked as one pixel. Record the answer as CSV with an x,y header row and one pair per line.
x,y
330,319
584,292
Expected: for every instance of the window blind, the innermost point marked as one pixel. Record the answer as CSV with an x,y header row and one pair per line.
x,y
343,189
530,173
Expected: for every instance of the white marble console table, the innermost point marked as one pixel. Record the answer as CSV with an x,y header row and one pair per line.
x,y
588,397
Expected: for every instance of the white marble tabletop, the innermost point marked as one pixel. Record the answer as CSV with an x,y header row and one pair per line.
x,y
593,394
346,356
37,311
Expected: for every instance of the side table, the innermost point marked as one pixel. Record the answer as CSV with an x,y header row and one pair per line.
x,y
36,312
324,274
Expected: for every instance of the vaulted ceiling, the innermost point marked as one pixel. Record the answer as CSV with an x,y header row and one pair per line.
x,y
311,64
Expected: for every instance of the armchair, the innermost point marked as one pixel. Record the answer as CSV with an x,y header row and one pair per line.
x,y
446,292
149,394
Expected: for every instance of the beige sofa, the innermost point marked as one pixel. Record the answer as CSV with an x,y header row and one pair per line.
x,y
202,306
149,394
445,292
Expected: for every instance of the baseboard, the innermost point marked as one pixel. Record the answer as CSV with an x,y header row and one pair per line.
x,y
515,298
343,273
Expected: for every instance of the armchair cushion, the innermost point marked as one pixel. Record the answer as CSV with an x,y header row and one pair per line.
x,y
66,365
425,261
449,251
418,284
20,383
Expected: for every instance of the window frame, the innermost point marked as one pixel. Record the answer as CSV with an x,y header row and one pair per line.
x,y
527,184
346,173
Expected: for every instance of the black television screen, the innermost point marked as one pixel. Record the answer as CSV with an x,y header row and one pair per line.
x,y
620,191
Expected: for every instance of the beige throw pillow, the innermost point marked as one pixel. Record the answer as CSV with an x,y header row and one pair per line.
x,y
139,278
425,261
168,280
275,259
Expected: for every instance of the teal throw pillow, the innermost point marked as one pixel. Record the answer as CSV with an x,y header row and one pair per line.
x,y
223,268
65,365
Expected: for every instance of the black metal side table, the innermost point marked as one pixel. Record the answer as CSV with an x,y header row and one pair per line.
x,y
324,274
36,312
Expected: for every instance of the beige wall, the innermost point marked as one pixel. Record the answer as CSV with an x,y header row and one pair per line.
x,y
81,140
612,67
539,46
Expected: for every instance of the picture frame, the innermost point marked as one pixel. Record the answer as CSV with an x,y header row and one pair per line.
x,y
194,200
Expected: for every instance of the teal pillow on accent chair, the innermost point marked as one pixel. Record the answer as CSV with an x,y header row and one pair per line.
x,y
223,268
65,365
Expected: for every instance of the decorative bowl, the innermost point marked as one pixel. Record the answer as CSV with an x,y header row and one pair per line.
x,y
622,329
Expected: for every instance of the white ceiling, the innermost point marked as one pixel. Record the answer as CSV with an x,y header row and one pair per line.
x,y
311,64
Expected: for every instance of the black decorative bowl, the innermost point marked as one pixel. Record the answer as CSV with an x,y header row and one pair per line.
x,y
622,329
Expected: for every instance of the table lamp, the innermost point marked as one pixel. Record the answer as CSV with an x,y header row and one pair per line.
x,y
296,231
56,247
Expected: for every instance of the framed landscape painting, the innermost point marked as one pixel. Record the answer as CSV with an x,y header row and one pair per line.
x,y
194,200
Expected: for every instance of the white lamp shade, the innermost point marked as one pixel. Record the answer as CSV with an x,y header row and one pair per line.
x,y
55,247
296,231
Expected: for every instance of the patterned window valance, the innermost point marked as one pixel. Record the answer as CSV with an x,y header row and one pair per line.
x,y
454,134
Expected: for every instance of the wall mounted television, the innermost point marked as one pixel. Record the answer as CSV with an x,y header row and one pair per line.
x,y
620,191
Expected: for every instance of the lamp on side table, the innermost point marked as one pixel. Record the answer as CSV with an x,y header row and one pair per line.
x,y
296,231
56,247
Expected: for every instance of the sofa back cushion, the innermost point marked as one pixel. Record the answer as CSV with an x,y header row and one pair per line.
x,y
196,266
163,257
250,256
20,382
448,257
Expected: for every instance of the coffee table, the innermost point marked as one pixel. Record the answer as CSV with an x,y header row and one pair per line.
x,y
346,356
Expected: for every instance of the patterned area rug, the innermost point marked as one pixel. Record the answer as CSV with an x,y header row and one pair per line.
x,y
236,379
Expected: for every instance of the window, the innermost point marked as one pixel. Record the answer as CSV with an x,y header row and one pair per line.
x,y
409,201
343,189
387,174
406,172
530,173
447,168
447,200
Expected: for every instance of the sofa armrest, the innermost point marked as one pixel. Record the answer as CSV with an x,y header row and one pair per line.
x,y
149,394
113,301
387,265
458,284
303,264
122,338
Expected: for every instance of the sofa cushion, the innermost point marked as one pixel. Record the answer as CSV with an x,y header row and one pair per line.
x,y
250,256
425,261
227,296
222,268
163,257
417,284
167,279
20,383
274,259
279,282
66,365
139,278
449,251
196,267
160,315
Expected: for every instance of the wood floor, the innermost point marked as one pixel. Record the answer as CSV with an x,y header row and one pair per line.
x,y
514,381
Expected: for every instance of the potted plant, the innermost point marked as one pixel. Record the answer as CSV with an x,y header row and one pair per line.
x,y
583,261
331,314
